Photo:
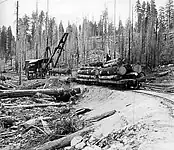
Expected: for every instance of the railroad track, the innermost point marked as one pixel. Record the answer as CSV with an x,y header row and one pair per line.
x,y
164,88
167,97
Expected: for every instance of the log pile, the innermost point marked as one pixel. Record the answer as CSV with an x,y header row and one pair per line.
x,y
88,72
96,64
111,70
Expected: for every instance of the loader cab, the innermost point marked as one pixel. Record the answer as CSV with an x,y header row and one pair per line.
x,y
35,68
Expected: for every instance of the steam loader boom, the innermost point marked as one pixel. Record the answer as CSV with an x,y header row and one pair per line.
x,y
38,68
60,48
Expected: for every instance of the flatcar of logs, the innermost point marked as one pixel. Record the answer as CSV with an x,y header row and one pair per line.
x,y
110,77
112,70
86,76
87,72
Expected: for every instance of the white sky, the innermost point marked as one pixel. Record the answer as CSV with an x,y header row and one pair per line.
x,y
72,10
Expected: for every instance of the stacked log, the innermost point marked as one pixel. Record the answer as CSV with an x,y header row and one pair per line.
x,y
108,71
111,77
111,70
113,62
86,76
87,67
88,72
116,70
96,64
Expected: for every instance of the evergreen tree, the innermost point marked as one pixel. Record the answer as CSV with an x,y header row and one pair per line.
x,y
3,40
169,10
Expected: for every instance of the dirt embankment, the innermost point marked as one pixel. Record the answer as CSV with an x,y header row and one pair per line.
x,y
141,121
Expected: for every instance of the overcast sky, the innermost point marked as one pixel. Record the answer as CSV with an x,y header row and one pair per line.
x,y
72,10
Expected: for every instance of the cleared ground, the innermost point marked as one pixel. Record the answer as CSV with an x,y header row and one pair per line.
x,y
151,116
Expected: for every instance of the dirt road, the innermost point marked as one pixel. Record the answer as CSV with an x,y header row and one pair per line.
x,y
144,121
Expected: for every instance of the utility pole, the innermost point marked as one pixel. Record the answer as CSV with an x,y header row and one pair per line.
x,y
16,56
132,32
47,19
114,30
36,29
17,47
129,31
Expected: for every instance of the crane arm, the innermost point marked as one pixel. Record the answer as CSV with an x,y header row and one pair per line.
x,y
60,48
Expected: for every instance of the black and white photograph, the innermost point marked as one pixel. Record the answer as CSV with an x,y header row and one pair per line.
x,y
86,74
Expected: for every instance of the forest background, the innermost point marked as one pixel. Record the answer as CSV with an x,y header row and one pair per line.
x,y
149,39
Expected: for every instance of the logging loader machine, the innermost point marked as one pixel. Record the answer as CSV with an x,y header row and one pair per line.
x,y
39,68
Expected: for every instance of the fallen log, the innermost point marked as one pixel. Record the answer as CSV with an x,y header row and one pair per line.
x,y
35,105
7,134
42,100
60,94
34,121
161,74
31,127
102,116
2,87
82,111
11,84
40,95
65,141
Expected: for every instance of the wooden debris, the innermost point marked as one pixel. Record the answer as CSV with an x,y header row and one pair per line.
x,y
40,95
31,127
45,126
34,121
82,111
34,105
102,116
161,74
60,94
7,134
65,141
2,87
42,100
